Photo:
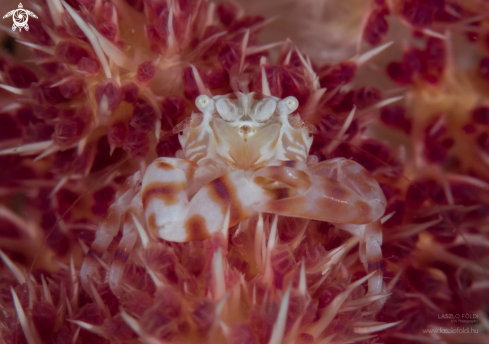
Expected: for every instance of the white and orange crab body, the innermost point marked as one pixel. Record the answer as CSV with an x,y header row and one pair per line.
x,y
248,155
245,154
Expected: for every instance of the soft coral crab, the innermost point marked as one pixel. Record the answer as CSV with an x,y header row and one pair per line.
x,y
243,154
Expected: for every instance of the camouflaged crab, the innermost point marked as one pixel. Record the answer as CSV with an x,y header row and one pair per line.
x,y
243,154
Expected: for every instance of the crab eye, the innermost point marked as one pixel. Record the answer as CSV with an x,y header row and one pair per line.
x,y
292,103
288,105
264,110
203,102
228,110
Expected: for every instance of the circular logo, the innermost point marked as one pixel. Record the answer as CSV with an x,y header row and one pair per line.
x,y
20,17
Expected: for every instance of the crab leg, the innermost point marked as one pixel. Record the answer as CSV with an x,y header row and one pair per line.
x,y
172,216
343,193
108,230
339,191
129,237
370,236
351,174
164,196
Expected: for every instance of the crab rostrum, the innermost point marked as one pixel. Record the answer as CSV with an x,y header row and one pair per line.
x,y
243,154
